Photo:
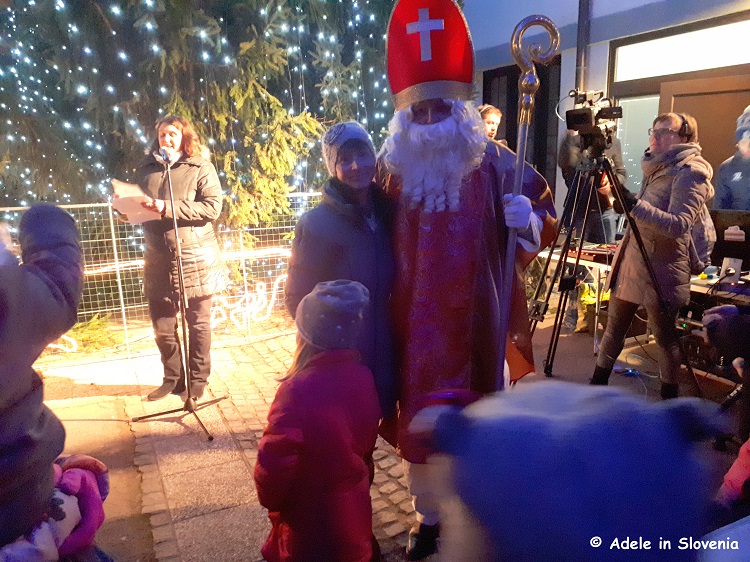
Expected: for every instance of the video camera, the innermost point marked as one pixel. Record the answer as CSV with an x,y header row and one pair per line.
x,y
595,120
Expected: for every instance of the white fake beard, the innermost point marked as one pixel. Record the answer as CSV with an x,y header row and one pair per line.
x,y
432,160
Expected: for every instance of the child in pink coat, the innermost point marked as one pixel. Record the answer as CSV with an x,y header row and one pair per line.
x,y
315,458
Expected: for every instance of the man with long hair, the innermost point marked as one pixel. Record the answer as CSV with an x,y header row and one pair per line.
x,y
454,208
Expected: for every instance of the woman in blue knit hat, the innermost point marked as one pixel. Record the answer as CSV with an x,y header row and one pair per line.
x,y
347,237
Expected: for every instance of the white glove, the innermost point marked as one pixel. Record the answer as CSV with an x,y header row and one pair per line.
x,y
719,313
517,211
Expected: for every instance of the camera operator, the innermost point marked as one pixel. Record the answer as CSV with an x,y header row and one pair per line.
x,y
676,185
602,217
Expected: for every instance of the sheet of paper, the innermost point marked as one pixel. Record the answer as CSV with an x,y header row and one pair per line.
x,y
128,202
124,189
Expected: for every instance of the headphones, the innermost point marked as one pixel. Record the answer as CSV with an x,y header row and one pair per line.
x,y
685,130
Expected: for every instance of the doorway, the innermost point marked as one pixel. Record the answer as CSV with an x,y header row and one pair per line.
x,y
716,103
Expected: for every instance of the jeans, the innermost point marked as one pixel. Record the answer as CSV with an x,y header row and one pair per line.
x,y
164,320
601,227
662,324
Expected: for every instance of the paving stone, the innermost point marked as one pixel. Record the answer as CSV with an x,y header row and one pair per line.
x,y
166,549
397,471
379,454
388,488
398,497
377,505
154,508
160,519
380,478
386,462
385,517
394,529
144,460
163,533
406,506
154,498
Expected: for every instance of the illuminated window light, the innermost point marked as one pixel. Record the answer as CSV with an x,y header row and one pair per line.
x,y
703,49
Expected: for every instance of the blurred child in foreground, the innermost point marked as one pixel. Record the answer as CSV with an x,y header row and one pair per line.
x,y
47,510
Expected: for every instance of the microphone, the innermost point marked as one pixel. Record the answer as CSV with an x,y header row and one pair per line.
x,y
165,155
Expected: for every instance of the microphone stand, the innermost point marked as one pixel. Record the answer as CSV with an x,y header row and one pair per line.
x,y
190,404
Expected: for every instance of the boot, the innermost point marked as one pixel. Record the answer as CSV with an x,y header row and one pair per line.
x,y
669,390
601,375
162,391
422,541
197,389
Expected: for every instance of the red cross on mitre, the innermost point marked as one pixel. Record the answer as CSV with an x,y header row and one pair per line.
x,y
429,52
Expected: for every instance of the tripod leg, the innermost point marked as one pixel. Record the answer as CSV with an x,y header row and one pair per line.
x,y
148,416
538,308
569,283
200,423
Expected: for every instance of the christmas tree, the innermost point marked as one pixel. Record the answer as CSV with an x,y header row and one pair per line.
x,y
82,83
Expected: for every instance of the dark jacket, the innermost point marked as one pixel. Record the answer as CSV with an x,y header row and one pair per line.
x,y
314,462
676,186
197,195
733,184
570,156
38,302
341,240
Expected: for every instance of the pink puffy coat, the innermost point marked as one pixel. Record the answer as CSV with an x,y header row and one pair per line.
x,y
314,462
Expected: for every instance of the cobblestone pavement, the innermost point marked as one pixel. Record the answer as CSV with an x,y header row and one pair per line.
x,y
200,495
248,375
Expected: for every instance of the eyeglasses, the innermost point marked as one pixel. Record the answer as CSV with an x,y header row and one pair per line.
x,y
661,132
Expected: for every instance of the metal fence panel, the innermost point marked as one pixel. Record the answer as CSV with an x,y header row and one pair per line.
x,y
256,260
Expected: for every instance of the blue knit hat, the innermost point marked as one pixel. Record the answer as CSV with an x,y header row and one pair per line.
x,y
335,138
743,125
330,316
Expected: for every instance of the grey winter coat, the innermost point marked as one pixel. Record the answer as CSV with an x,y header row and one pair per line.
x,y
38,302
676,186
197,195
341,240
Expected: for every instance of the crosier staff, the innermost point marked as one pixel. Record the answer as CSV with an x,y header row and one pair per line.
x,y
528,84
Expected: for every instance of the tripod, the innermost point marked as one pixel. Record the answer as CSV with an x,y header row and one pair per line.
x,y
190,404
586,181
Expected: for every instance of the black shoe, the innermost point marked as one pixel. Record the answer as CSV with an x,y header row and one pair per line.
x,y
162,391
422,541
669,390
601,376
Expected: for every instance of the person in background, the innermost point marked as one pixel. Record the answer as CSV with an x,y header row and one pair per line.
x,y
315,458
601,227
491,116
347,237
197,195
733,183
602,223
676,186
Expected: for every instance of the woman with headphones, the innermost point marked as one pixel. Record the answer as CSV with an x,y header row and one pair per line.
x,y
676,185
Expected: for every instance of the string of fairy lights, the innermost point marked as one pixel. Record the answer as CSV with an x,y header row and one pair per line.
x,y
80,79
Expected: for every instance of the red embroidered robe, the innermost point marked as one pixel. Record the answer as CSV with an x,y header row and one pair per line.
x,y
446,298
